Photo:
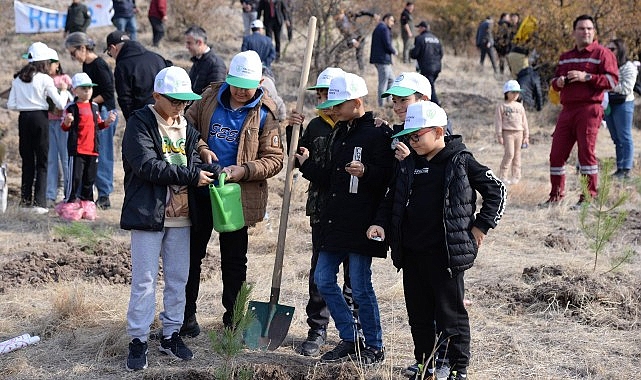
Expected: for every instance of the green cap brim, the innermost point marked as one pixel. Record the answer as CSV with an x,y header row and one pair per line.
x,y
242,82
88,85
408,131
329,104
317,87
184,96
398,91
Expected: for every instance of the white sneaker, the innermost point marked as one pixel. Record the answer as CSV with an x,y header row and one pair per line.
x,y
39,210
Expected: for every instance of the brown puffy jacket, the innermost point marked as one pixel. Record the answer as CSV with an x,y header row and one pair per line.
x,y
261,153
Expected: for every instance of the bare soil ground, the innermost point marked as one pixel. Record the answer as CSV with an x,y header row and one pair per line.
x,y
538,310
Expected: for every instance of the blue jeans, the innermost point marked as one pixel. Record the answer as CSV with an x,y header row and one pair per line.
x,y
620,125
105,176
385,80
361,277
57,158
128,25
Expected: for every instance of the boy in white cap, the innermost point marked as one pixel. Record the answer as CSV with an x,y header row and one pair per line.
x,y
512,131
357,167
314,138
162,169
408,88
429,219
82,120
240,131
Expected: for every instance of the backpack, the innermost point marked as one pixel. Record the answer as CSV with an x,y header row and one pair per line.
x,y
637,85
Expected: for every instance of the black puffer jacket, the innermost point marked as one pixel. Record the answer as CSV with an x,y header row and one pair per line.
x,y
346,216
207,69
147,174
464,176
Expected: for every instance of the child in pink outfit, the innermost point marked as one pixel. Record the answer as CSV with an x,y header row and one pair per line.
x,y
512,132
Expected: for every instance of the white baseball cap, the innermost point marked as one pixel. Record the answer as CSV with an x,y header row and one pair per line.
x,y
423,115
245,70
511,86
342,88
256,24
174,82
39,51
326,76
81,80
409,83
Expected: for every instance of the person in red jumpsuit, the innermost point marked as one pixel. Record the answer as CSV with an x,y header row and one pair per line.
x,y
581,76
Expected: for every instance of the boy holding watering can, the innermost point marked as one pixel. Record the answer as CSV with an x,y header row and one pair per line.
x,y
358,168
240,131
161,166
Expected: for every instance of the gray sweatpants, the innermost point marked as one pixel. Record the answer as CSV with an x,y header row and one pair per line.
x,y
172,244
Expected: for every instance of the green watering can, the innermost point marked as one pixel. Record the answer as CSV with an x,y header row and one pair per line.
x,y
226,205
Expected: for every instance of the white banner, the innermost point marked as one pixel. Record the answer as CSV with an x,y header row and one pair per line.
x,y
34,19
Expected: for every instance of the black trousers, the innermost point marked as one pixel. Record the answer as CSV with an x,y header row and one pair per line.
x,y
435,308
431,76
84,169
273,31
158,30
233,259
317,311
489,51
33,145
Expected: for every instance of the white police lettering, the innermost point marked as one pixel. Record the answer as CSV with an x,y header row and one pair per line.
x,y
421,171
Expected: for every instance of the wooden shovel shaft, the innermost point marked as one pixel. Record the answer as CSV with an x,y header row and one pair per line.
x,y
284,212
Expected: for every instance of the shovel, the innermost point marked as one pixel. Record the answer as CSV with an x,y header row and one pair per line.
x,y
271,321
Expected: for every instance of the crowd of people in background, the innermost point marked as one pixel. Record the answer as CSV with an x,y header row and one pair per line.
x,y
364,197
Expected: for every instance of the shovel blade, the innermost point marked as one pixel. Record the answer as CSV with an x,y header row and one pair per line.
x,y
268,329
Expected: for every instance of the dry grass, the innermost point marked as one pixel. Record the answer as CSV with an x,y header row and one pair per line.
x,y
557,321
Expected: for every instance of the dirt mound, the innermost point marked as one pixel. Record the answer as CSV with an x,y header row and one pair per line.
x,y
106,261
592,299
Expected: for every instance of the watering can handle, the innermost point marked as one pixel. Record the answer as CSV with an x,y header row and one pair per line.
x,y
214,191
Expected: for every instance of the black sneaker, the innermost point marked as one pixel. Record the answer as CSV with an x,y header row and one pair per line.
x,y
190,327
103,202
315,339
175,347
137,358
369,356
579,205
340,353
551,202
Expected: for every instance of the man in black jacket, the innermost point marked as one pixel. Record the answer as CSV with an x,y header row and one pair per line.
x,y
136,68
275,13
207,66
78,18
428,53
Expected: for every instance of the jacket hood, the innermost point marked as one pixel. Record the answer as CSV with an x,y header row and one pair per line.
x,y
130,49
453,145
223,89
